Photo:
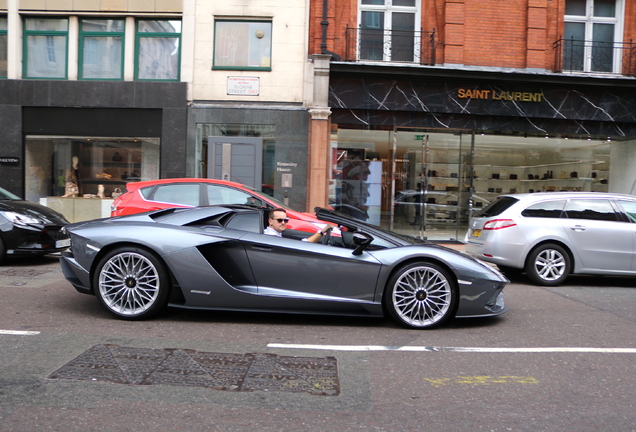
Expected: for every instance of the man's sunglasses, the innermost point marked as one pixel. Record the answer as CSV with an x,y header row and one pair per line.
x,y
279,220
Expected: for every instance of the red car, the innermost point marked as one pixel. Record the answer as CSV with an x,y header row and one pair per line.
x,y
191,192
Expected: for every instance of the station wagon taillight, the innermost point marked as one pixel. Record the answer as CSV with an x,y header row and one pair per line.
x,y
499,224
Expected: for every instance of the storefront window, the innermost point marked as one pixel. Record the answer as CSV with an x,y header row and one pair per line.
x,y
430,183
101,49
45,47
3,46
87,167
158,50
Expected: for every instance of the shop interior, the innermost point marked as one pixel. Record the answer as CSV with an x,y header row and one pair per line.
x,y
429,183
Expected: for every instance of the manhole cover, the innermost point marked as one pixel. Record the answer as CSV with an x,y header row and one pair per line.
x,y
219,371
23,272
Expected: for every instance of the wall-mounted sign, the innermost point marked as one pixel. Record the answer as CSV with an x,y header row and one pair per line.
x,y
463,93
9,160
243,86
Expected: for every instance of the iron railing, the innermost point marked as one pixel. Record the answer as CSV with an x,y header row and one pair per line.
x,y
366,44
572,55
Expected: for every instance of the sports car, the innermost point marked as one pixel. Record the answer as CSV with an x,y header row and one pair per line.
x,y
217,258
28,228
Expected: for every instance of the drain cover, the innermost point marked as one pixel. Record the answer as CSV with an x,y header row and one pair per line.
x,y
219,371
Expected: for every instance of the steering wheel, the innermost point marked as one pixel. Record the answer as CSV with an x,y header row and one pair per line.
x,y
326,237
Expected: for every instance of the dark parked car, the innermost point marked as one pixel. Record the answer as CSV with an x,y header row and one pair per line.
x,y
27,228
218,258
554,234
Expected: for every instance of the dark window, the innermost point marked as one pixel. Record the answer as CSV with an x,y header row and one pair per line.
x,y
181,193
591,209
548,209
246,222
496,207
630,208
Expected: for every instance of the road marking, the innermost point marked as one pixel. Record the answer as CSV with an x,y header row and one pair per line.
x,y
482,380
18,332
454,349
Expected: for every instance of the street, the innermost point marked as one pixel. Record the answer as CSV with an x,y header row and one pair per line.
x,y
561,359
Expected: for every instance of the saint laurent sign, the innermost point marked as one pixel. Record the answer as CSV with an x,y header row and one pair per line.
x,y
499,95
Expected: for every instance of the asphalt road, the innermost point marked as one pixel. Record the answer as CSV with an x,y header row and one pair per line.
x,y
562,359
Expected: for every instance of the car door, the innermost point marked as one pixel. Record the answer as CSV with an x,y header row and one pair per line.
x,y
294,268
629,207
602,240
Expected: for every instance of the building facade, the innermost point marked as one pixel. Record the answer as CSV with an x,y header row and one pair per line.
x,y
436,108
98,93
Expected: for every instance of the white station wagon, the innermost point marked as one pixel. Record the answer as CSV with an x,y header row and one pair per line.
x,y
553,234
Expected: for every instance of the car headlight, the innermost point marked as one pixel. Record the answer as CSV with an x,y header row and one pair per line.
x,y
20,218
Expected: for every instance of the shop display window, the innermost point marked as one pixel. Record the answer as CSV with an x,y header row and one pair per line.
x,y
87,167
430,183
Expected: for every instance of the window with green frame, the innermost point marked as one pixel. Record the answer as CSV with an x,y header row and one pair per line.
x,y
3,46
158,50
45,48
242,45
101,49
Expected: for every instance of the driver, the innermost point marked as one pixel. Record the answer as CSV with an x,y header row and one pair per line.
x,y
278,223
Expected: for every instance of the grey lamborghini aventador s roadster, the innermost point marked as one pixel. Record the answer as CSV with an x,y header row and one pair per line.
x,y
218,258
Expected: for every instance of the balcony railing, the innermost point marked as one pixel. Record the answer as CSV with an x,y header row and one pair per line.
x,y
365,44
573,55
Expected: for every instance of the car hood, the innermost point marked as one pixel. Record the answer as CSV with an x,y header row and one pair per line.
x,y
46,215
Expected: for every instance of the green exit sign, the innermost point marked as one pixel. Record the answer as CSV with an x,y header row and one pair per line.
x,y
419,137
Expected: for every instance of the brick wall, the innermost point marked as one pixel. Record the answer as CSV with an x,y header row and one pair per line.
x,y
488,33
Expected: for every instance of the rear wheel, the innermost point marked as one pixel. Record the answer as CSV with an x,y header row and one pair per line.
x,y
131,283
421,295
548,265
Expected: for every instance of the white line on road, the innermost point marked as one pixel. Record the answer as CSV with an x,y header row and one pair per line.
x,y
453,349
18,332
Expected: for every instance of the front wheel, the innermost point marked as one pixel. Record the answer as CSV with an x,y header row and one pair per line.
x,y
421,295
131,283
548,265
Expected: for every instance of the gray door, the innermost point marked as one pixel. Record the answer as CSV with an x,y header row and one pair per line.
x,y
600,239
237,159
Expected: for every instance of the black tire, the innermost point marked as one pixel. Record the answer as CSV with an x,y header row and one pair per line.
x,y
131,283
421,295
510,272
2,251
548,265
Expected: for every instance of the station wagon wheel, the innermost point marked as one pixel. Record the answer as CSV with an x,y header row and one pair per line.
x,y
421,295
548,265
131,283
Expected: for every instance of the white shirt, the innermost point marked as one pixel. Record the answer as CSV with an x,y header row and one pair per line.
x,y
271,231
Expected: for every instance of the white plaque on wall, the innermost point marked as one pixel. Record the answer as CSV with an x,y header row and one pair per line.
x,y
243,86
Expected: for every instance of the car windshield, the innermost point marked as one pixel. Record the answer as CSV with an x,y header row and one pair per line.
x,y
6,195
497,207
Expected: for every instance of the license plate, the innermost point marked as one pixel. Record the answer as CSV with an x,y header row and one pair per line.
x,y
62,243
475,233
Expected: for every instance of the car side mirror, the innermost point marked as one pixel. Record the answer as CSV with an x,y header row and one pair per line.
x,y
361,241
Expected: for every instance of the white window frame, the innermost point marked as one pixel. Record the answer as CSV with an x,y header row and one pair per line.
x,y
388,8
589,20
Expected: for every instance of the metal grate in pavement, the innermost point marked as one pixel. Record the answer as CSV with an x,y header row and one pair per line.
x,y
218,371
